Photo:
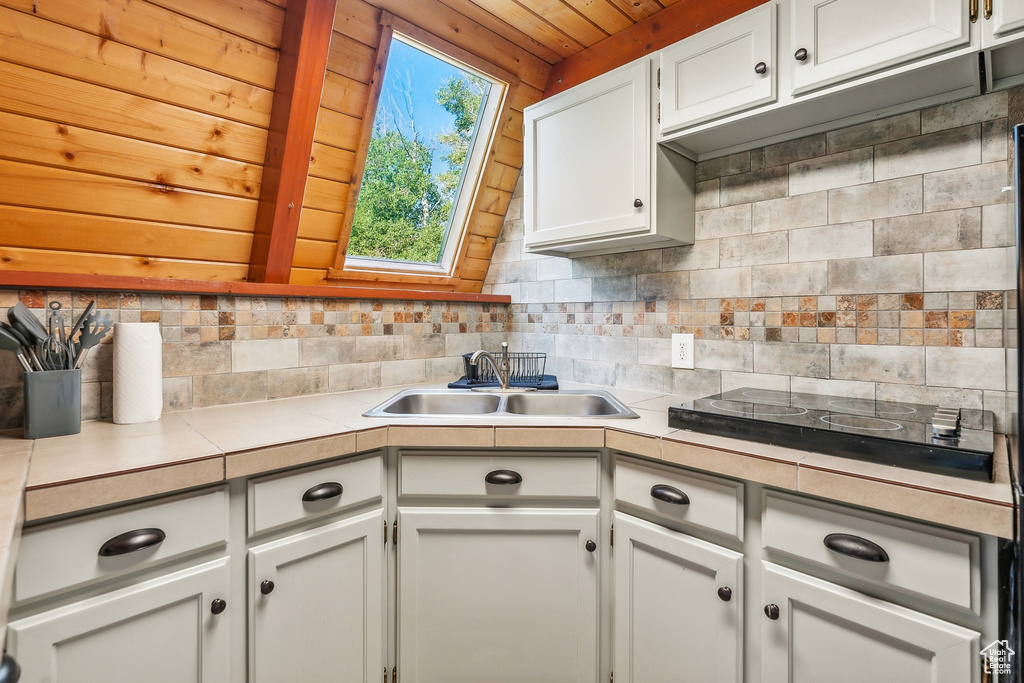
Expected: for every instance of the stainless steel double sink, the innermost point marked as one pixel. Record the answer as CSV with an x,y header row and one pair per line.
x,y
466,403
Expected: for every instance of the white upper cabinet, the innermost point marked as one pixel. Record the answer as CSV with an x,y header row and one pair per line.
x,y
595,180
1004,19
727,68
1002,36
834,63
589,152
836,40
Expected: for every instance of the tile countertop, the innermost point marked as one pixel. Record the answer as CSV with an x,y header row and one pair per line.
x,y
108,463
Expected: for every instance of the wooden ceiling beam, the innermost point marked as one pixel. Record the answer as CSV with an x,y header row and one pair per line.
x,y
668,26
305,45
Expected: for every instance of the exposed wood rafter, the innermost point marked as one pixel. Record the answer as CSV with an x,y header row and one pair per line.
x,y
365,135
668,26
305,45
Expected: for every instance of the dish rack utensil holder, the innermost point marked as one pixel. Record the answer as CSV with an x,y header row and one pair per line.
x,y
525,369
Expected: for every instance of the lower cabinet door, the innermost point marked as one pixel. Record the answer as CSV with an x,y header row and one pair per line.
x,y
159,631
502,596
816,631
316,610
678,607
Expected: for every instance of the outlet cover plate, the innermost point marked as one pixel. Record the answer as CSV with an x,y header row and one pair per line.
x,y
682,351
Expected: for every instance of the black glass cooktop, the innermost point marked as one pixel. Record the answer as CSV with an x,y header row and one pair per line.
x,y
898,434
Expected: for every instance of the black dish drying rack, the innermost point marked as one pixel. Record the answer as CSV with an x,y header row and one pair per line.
x,y
526,370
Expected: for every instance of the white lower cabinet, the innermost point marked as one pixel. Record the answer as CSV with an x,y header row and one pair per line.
x,y
678,606
498,595
166,630
819,631
316,610
493,573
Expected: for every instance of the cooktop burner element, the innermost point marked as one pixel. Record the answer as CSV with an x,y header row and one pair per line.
x,y
862,405
860,422
748,408
898,434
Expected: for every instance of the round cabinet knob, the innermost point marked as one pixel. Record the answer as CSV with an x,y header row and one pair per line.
x,y
800,55
638,202
218,606
761,68
590,546
267,587
725,593
771,611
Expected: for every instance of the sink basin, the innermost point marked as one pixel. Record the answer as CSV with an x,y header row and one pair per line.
x,y
462,403
568,405
438,403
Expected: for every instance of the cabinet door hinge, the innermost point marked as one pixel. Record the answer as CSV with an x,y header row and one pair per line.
x,y
394,675
611,678
385,674
611,536
385,532
394,533
659,112
659,78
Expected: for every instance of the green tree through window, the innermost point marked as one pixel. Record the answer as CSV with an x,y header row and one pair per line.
x,y
417,158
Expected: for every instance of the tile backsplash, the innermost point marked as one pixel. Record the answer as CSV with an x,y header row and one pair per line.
x,y
235,349
871,261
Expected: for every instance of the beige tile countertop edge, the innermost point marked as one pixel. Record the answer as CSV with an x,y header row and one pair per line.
x,y
648,437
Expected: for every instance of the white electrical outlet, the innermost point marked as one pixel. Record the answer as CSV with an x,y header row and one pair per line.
x,y
682,351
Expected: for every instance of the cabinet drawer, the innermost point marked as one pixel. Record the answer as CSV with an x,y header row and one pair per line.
x,y
714,504
65,554
283,499
481,476
925,561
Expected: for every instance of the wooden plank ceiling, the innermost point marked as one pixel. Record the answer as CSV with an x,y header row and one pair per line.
x,y
134,133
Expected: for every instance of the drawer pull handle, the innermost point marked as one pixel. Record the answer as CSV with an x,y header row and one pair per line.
x,y
267,587
761,68
325,491
801,54
855,546
669,494
590,546
10,672
725,594
131,541
771,611
504,477
218,606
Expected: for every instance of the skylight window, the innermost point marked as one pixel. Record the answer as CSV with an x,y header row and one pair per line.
x,y
431,134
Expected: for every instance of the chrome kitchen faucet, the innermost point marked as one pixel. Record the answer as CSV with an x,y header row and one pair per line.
x,y
501,369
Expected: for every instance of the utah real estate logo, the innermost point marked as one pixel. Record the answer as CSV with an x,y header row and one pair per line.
x,y
997,657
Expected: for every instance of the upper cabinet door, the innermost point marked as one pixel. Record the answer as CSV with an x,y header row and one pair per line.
x,y
1007,19
835,40
725,69
587,157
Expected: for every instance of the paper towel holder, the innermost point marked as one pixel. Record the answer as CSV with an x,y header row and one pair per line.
x,y
138,373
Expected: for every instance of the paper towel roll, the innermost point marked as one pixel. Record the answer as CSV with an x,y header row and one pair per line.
x,y
138,373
